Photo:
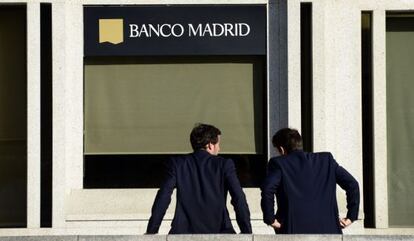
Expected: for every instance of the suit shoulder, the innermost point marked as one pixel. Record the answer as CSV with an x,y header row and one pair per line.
x,y
274,159
323,155
220,158
178,159
224,161
277,160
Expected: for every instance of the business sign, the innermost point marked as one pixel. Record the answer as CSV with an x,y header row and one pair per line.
x,y
175,30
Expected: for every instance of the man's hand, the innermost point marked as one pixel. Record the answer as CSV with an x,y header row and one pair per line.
x,y
276,224
345,222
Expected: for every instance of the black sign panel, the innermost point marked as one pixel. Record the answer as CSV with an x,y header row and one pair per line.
x,y
175,30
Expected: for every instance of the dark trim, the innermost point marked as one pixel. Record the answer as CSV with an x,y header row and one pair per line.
x,y
306,75
277,70
367,118
14,36
46,113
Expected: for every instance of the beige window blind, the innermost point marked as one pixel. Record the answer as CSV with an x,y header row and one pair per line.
x,y
134,107
400,119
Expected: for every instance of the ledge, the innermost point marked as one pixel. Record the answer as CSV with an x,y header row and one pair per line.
x,y
229,237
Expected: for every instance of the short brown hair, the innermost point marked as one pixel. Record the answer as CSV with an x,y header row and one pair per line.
x,y
289,139
203,134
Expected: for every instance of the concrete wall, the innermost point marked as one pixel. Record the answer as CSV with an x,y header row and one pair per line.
x,y
337,85
337,122
71,201
337,104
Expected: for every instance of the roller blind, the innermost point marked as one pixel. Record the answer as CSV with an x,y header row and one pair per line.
x,y
150,108
400,120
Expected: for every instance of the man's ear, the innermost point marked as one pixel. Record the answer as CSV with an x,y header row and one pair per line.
x,y
208,146
281,150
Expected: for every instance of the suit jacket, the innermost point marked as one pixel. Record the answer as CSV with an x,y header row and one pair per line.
x,y
305,189
202,182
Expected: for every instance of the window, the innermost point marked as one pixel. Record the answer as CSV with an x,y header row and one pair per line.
x,y
140,110
400,117
13,116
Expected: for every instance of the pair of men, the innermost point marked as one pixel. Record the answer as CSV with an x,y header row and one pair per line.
x,y
304,185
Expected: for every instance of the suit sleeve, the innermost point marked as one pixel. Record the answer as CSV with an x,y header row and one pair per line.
x,y
269,189
238,199
347,182
163,199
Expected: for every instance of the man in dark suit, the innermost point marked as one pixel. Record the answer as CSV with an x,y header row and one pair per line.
x,y
305,188
202,180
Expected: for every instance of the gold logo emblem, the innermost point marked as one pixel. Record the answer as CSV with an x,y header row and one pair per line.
x,y
111,30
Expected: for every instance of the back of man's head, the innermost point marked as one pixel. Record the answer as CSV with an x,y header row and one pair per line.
x,y
288,139
202,135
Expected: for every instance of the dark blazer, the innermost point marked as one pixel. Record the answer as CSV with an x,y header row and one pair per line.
x,y
202,182
305,188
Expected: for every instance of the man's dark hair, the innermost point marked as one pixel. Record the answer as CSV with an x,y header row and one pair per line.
x,y
203,134
289,139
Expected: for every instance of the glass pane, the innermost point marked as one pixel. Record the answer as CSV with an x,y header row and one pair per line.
x,y
147,106
400,119
147,171
13,115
